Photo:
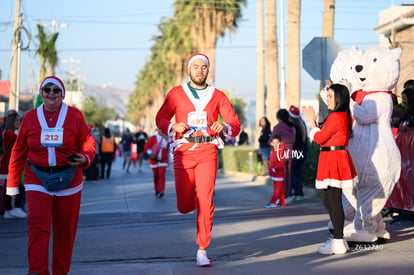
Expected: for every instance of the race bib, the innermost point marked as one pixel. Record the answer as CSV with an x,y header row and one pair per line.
x,y
197,121
51,137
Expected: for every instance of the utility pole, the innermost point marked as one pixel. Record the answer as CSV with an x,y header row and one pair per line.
x,y
55,24
71,74
15,67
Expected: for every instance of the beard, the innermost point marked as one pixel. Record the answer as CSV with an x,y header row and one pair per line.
x,y
199,81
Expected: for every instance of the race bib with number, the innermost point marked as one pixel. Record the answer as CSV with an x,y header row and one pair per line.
x,y
51,137
197,120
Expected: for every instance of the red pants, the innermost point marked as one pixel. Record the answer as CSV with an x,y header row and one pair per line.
x,y
159,178
278,192
195,177
64,214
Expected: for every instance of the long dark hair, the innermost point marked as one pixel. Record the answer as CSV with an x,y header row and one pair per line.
x,y
409,92
342,100
283,115
267,122
10,121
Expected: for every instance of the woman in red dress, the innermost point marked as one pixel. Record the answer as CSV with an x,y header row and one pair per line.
x,y
335,168
9,138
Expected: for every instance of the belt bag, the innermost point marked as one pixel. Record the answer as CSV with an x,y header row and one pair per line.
x,y
55,181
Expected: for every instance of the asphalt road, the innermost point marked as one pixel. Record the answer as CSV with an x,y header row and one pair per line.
x,y
125,229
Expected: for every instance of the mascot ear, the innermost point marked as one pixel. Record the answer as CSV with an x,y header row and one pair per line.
x,y
396,53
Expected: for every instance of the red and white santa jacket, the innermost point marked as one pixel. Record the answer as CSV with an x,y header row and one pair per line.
x,y
77,138
158,147
277,163
199,114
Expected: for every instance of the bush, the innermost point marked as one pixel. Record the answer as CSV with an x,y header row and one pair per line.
x,y
310,166
244,159
240,159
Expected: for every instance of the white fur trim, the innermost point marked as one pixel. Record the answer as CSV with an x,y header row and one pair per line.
x,y
198,56
11,191
63,192
313,132
336,183
56,82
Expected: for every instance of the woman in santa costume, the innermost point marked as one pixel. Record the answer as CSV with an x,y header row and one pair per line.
x,y
157,148
196,106
53,183
335,168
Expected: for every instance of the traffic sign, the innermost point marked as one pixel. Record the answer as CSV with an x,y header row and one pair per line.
x,y
318,57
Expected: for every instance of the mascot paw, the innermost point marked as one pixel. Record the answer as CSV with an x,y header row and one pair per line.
x,y
360,237
383,234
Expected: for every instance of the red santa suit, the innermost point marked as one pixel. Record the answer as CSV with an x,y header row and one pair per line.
x,y
335,166
62,206
195,151
157,148
277,172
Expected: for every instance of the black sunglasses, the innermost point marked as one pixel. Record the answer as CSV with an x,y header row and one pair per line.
x,y
55,90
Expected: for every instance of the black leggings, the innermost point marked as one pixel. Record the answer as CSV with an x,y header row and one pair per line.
x,y
18,199
332,199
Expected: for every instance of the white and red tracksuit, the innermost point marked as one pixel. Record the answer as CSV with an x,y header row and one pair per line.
x,y
277,172
158,146
59,207
195,164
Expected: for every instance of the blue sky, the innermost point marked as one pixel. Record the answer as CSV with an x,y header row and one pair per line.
x,y
112,39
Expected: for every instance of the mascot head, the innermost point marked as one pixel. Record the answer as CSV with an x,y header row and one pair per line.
x,y
378,69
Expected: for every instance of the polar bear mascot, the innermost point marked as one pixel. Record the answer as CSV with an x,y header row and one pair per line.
x,y
371,76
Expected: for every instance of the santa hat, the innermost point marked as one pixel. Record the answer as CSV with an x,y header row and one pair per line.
x,y
198,56
294,111
53,80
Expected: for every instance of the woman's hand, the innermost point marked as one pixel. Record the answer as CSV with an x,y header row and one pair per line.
x,y
78,160
310,114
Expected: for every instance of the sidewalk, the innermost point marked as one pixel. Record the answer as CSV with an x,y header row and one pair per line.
x,y
125,229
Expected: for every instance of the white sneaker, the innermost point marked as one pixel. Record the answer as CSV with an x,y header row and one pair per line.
x,y
15,213
333,246
20,213
8,214
202,259
290,199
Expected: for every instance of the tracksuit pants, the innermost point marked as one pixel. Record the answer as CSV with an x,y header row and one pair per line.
x,y
159,178
195,177
63,212
278,192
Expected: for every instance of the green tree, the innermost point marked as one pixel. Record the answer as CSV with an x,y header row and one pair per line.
x,y
97,114
46,51
206,21
195,27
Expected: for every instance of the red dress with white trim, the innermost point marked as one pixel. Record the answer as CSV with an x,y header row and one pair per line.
x,y
335,167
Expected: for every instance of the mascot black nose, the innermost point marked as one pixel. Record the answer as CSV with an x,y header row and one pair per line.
x,y
358,68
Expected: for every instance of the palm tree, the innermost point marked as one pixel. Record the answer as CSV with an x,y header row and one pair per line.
x,y
272,78
206,21
46,51
328,18
293,53
179,37
260,88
